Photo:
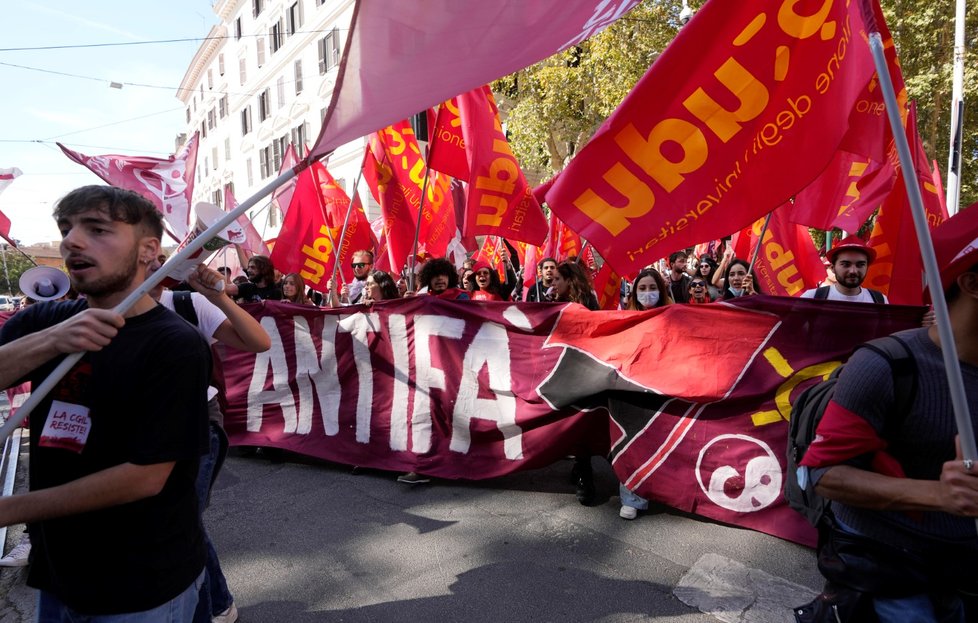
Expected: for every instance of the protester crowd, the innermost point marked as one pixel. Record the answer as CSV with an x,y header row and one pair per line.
x,y
159,481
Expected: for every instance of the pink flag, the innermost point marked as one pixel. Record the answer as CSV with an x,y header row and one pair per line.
x,y
6,178
254,245
282,196
167,182
405,56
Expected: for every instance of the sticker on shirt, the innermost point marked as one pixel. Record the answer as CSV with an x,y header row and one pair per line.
x,y
67,427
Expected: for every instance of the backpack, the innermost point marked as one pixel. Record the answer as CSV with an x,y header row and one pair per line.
x,y
823,293
807,411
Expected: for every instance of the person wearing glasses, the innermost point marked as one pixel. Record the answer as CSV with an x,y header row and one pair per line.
x,y
699,292
350,293
707,269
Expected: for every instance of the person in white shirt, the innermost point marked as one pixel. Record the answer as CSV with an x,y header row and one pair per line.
x,y
850,261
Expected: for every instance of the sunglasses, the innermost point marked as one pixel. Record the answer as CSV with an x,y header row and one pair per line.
x,y
697,284
359,264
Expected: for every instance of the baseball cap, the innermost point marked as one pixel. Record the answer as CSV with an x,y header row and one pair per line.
x,y
851,243
956,244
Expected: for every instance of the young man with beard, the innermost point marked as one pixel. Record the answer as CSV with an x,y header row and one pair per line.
x,y
850,261
546,269
441,279
678,279
115,446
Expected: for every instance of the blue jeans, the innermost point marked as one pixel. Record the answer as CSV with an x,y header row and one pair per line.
x,y
215,597
631,499
180,609
921,608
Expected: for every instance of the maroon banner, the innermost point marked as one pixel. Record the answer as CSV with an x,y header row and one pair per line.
x,y
471,390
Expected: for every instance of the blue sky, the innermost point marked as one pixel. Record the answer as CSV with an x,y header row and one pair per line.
x,y
85,113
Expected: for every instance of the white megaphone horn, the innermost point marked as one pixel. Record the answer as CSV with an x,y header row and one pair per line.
x,y
43,283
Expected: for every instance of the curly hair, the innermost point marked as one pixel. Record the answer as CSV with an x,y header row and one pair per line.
x,y
578,282
435,267
266,271
388,288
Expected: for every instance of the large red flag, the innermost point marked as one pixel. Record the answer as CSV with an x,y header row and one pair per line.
x,y
700,149
387,157
447,150
607,283
167,182
845,194
282,196
500,200
7,177
404,56
254,244
788,262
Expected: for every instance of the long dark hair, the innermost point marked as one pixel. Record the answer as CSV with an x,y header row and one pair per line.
x,y
579,283
300,288
388,288
727,294
495,285
665,298
266,272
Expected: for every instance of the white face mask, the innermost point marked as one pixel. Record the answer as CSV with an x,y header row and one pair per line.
x,y
737,291
648,299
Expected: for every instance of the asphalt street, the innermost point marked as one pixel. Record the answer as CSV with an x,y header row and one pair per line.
x,y
307,541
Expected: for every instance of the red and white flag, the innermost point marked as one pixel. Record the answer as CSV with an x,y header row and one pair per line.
x,y
254,245
167,182
7,177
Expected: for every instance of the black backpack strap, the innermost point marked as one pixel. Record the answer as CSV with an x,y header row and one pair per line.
x,y
904,368
822,293
183,304
878,297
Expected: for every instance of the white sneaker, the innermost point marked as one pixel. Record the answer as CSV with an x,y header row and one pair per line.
x,y
228,616
17,557
628,512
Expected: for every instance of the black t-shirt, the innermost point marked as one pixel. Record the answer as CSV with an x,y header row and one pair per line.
x,y
251,293
145,397
680,289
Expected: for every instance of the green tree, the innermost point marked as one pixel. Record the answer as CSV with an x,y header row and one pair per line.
x,y
552,108
16,264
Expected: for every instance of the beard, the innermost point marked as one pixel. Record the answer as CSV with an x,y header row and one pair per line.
x,y
112,283
852,281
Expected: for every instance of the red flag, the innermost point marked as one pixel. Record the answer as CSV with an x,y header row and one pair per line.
x,y
607,283
254,245
492,253
168,183
500,199
566,242
722,148
438,226
845,194
447,150
898,268
312,227
402,57
282,196
7,177
391,165
788,262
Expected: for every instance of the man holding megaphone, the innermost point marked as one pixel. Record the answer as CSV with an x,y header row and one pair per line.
x,y
112,510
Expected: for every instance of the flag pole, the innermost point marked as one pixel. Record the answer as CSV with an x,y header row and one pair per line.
x,y
329,235
953,191
417,228
952,366
38,393
760,241
346,219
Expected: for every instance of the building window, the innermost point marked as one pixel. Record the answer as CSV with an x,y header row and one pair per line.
x,y
265,161
281,144
220,63
419,123
256,7
188,114
298,77
329,51
227,149
203,129
222,107
243,70
245,120
264,108
320,2
229,189
210,78
214,157
261,51
248,173
207,166
237,29
216,198
299,137
293,18
276,36
210,119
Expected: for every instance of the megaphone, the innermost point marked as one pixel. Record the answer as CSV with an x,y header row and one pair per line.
x,y
43,283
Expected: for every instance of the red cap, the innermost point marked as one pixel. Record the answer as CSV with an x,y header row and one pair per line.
x,y
956,244
481,265
851,243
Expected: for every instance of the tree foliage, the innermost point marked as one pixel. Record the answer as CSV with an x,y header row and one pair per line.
x,y
552,108
16,264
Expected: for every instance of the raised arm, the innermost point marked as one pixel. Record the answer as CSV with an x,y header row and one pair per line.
x,y
240,330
